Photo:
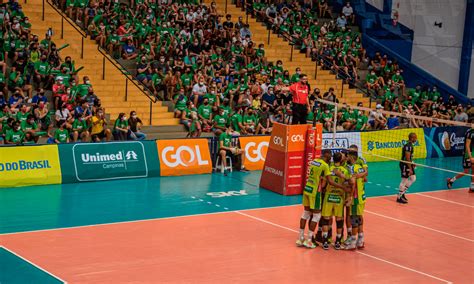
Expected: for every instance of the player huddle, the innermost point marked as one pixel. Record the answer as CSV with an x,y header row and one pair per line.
x,y
334,191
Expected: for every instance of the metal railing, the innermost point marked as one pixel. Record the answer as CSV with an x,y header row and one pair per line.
x,y
295,41
66,18
128,77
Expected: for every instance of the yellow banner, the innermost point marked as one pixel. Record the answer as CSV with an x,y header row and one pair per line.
x,y
29,165
389,143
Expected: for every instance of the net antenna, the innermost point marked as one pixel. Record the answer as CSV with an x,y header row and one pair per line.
x,y
389,144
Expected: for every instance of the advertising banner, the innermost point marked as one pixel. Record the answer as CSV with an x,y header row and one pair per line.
x,y
255,148
284,168
108,161
342,141
444,141
29,165
376,145
184,157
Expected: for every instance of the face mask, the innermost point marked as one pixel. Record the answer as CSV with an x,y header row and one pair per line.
x,y
213,92
124,118
206,103
326,111
134,116
200,84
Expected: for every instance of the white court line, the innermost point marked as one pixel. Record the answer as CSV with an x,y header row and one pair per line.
x,y
445,200
364,254
33,264
419,226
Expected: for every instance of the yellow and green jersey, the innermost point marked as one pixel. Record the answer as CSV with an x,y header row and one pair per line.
x,y
317,169
333,192
359,193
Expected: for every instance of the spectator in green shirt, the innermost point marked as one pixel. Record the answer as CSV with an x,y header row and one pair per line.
x,y
121,128
205,115
220,122
226,149
80,130
15,135
61,135
42,71
29,127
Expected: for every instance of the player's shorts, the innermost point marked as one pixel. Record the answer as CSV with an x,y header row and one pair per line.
x,y
357,209
405,170
333,206
466,163
314,202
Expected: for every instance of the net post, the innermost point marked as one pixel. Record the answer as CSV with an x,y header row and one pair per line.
x,y
334,127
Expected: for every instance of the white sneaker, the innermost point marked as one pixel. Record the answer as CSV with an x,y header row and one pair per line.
x,y
360,243
300,242
351,246
309,244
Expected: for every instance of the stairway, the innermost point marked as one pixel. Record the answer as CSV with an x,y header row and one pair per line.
x,y
278,49
111,91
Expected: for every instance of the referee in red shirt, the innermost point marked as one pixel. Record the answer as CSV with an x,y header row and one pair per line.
x,y
300,92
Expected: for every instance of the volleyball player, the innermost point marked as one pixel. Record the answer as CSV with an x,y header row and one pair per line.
x,y
363,163
356,201
407,168
333,203
319,170
467,162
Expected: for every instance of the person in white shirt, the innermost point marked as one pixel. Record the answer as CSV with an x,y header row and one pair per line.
x,y
348,12
199,90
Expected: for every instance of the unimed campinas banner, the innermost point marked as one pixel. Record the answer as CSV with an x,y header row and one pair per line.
x,y
29,165
108,161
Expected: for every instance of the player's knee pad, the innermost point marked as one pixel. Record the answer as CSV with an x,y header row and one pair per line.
x,y
306,215
339,224
316,217
355,220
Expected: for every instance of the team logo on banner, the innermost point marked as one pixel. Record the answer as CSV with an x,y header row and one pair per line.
x,y
184,157
256,148
29,165
112,160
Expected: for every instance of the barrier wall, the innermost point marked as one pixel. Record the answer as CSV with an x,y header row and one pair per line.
x,y
108,161
29,165
70,163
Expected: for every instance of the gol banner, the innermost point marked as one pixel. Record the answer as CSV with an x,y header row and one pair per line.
x,y
29,165
256,148
184,157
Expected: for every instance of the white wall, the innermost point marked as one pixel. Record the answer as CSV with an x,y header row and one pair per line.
x,y
376,3
437,50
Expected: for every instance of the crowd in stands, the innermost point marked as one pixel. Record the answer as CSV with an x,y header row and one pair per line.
x,y
207,64
41,94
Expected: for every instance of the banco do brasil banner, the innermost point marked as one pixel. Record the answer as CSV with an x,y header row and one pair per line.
x,y
29,165
108,161
445,141
379,144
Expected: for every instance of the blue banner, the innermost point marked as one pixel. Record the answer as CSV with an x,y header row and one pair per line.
x,y
444,141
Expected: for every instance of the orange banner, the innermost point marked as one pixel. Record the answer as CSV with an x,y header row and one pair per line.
x,y
184,157
255,148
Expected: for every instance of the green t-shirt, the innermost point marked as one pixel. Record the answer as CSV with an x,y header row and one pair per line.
x,y
226,139
79,125
181,103
235,120
220,120
25,126
227,110
211,98
187,79
371,79
61,135
249,119
20,116
15,136
361,121
42,67
121,123
205,111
